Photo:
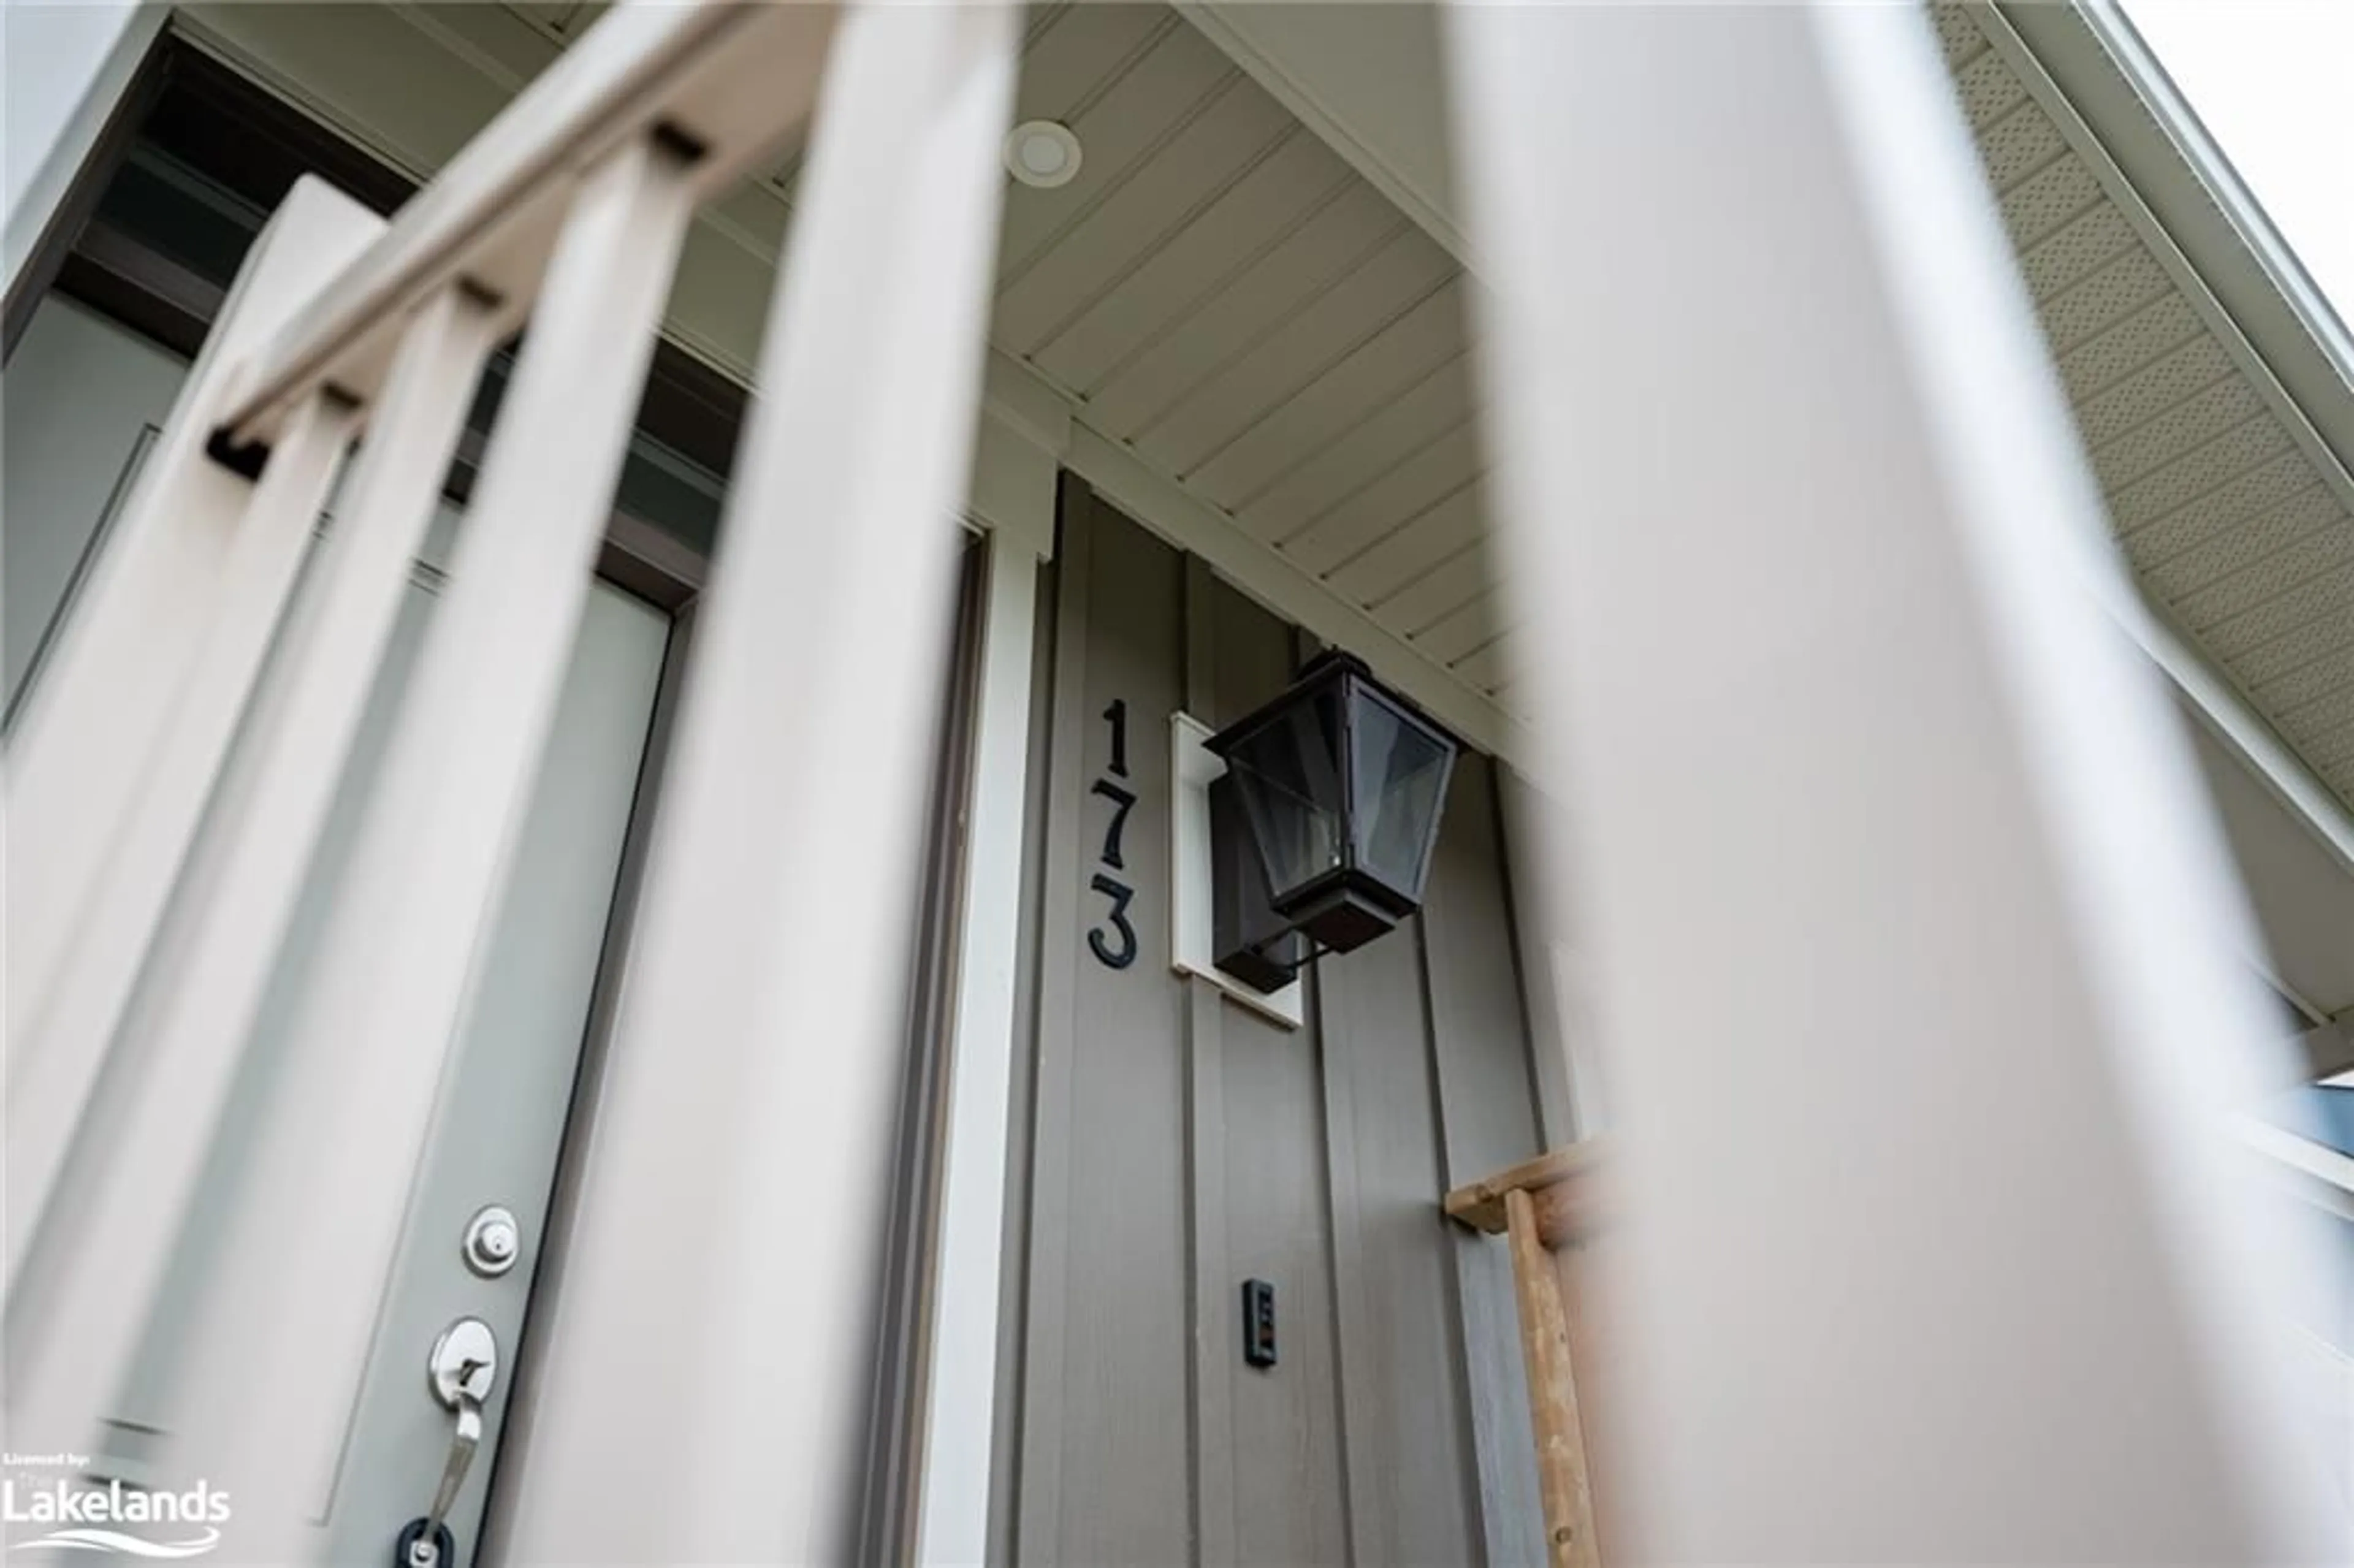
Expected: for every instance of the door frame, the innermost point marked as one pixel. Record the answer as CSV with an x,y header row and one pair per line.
x,y
118,68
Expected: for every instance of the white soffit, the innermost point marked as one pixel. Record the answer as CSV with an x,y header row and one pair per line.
x,y
2232,510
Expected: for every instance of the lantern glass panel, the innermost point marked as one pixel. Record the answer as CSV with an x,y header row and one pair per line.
x,y
1401,769
1287,773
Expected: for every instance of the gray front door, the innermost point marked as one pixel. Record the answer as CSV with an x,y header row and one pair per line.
x,y
501,1110
503,1102
64,473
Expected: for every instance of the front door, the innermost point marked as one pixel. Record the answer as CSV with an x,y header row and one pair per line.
x,y
480,1195
478,1207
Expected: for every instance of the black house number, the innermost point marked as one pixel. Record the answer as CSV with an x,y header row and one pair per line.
x,y
1113,939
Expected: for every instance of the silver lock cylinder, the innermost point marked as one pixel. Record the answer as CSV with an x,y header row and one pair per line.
x,y
494,1240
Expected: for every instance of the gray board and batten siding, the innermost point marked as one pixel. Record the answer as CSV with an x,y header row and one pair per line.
x,y
1177,1143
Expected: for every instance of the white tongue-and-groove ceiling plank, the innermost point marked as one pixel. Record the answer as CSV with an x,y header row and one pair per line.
x,y
1097,334
1406,484
1434,407
1318,339
1390,567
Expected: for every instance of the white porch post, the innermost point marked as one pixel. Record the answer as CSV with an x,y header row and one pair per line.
x,y
1913,939
701,1398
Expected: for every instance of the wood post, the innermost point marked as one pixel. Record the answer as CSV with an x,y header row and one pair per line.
x,y
1562,1475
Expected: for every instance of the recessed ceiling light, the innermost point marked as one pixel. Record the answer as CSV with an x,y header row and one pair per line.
x,y
1042,153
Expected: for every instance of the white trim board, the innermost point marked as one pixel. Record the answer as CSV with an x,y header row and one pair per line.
x,y
960,1371
2315,1172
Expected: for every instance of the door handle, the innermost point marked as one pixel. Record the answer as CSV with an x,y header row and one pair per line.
x,y
463,1365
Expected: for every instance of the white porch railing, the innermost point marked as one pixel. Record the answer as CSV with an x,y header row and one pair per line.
x,y
569,213
1979,1015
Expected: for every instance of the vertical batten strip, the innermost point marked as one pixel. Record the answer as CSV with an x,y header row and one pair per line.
x,y
1215,1311
209,977
1999,1267
67,1041
743,1138
78,752
350,1113
1568,1089
1037,1483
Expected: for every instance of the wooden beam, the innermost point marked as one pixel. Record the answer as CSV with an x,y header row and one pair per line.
x,y
722,82
1561,1182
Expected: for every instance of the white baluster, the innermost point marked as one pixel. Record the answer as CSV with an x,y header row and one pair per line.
x,y
1910,931
212,969
82,750
702,1394
67,1043
285,1331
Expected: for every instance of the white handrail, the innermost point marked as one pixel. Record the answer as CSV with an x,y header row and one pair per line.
x,y
729,82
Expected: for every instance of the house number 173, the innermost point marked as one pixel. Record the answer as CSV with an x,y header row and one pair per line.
x,y
1111,939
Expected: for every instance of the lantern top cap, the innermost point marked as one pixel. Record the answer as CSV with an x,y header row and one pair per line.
x,y
1329,667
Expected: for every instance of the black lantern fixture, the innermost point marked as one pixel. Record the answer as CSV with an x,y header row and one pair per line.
x,y
1323,822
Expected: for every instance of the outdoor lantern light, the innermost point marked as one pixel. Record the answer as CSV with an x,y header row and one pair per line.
x,y
1323,822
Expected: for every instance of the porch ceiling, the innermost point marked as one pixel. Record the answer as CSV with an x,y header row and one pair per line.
x,y
1225,298
1221,294
1217,293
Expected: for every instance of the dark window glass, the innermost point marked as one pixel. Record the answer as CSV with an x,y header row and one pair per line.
x,y
1288,775
1401,769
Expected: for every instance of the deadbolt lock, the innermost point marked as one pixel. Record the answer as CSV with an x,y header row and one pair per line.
x,y
493,1241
